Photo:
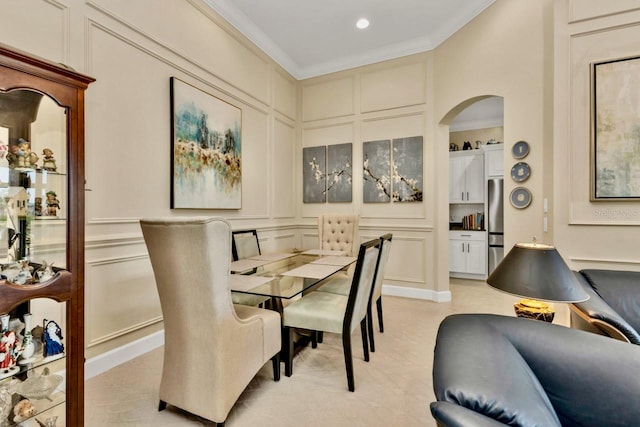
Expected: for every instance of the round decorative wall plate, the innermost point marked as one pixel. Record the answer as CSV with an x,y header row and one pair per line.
x,y
520,149
520,172
520,197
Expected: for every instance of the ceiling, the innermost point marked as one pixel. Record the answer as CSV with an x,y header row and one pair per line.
x,y
310,38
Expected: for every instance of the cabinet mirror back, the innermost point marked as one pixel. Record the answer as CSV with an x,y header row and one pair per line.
x,y
32,183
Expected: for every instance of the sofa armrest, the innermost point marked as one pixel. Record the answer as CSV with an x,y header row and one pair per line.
x,y
451,415
597,308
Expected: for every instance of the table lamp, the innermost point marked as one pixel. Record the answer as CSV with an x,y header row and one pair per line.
x,y
536,272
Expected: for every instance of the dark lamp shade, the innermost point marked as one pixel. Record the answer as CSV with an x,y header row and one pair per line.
x,y
537,271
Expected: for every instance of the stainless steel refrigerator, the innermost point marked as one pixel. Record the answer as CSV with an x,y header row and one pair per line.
x,y
495,192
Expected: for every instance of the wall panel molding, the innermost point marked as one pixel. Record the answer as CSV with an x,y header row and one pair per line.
x,y
132,275
258,104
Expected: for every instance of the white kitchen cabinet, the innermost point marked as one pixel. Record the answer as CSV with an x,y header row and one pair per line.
x,y
493,160
466,177
468,252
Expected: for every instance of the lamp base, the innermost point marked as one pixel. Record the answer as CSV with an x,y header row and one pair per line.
x,y
532,309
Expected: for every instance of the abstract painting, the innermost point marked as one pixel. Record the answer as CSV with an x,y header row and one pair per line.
x,y
406,182
615,167
376,170
314,179
206,150
339,160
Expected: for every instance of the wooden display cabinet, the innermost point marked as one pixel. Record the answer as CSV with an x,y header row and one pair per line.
x,y
29,86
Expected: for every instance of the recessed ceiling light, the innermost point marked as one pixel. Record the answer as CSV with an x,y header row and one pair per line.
x,y
362,23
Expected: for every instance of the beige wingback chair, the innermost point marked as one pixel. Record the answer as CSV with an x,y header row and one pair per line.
x,y
338,232
212,348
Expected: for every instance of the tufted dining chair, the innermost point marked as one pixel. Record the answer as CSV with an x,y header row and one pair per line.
x,y
333,313
212,348
338,232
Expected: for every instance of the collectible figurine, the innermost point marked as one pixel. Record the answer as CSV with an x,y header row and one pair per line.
x,y
45,272
12,156
37,206
48,162
53,204
52,339
26,158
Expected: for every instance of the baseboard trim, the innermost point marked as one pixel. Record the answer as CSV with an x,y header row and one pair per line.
x,y
426,294
112,358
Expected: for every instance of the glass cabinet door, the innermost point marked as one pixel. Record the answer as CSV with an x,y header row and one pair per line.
x,y
33,183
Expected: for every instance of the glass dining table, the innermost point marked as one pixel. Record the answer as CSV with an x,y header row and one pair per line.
x,y
282,277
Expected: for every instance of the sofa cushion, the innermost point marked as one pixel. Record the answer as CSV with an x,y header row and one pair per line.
x,y
475,366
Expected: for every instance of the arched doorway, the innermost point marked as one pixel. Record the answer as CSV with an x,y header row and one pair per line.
x,y
475,186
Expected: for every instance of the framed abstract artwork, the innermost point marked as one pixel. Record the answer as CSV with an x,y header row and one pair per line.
x,y
376,171
339,160
314,179
206,150
615,141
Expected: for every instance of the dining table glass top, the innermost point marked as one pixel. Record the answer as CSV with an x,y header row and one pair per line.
x,y
285,275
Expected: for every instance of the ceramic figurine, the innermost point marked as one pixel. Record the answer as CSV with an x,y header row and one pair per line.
x,y
37,206
48,162
26,158
28,345
453,147
53,204
24,276
12,156
466,145
8,350
45,272
52,339
23,410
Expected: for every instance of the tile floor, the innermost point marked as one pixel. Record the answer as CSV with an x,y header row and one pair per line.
x,y
394,388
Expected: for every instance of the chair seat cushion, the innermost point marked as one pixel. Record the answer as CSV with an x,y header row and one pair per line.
x,y
338,285
247,299
317,311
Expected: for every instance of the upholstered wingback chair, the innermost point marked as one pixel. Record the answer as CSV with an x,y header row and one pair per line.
x,y
338,232
212,348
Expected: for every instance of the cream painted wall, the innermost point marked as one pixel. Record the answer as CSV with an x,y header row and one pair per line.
x,y
381,101
589,234
502,52
132,54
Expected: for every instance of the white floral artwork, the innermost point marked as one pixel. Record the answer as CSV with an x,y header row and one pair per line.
x,y
407,169
376,172
392,171
314,179
339,170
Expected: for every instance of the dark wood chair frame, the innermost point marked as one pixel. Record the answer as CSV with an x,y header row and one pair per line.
x,y
346,324
234,251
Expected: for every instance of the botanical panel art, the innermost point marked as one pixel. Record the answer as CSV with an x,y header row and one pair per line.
x,y
407,169
616,140
376,171
314,163
206,138
339,160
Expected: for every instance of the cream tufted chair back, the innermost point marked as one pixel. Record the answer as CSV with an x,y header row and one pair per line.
x,y
338,232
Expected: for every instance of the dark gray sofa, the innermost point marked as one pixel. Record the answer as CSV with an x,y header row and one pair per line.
x,y
613,308
492,370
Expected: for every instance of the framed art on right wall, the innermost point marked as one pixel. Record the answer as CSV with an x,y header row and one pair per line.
x,y
615,136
